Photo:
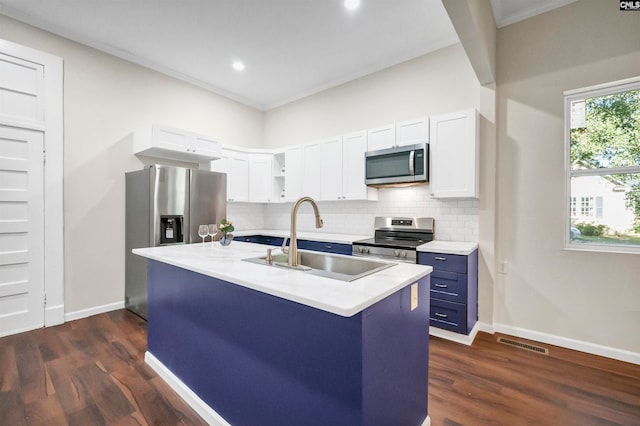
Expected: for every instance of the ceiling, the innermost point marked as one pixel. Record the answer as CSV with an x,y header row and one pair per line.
x,y
290,48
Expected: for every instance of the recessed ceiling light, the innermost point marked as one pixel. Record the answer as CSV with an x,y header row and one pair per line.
x,y
238,65
351,4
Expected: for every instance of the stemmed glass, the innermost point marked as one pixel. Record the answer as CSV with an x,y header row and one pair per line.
x,y
213,230
203,231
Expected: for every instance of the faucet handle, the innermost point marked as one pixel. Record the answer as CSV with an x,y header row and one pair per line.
x,y
284,247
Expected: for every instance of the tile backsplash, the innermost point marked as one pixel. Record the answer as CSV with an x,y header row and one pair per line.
x,y
455,220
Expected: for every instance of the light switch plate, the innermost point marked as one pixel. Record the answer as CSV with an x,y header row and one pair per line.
x,y
414,296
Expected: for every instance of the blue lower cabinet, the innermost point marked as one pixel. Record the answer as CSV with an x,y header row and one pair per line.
x,y
246,238
270,241
336,248
257,359
454,290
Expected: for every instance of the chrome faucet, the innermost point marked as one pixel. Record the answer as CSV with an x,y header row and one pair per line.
x,y
293,245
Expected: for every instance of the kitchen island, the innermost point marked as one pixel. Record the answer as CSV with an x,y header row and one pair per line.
x,y
252,344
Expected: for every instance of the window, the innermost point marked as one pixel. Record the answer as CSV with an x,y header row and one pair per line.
x,y
603,167
586,206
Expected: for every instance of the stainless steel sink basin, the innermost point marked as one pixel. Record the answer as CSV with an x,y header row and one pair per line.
x,y
326,265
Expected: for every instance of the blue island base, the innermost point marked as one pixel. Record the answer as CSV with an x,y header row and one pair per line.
x,y
256,359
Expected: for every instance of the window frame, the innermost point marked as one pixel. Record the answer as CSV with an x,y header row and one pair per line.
x,y
579,94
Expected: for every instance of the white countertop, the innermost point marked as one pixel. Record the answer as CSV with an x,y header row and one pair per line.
x,y
304,235
450,247
338,297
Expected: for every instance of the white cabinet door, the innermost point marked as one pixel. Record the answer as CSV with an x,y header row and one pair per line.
x,y
354,146
238,178
412,132
331,169
260,178
343,168
174,144
381,137
293,173
454,155
312,153
169,138
202,145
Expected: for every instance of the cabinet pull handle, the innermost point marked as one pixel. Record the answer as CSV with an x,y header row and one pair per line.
x,y
438,314
440,258
441,285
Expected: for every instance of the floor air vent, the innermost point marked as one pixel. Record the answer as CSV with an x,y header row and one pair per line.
x,y
522,345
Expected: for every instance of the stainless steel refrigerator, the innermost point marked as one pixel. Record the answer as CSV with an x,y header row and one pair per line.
x,y
165,205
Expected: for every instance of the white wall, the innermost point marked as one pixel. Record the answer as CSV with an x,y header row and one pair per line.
x,y
585,296
104,100
436,83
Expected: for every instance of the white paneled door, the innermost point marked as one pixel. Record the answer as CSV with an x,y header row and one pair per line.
x,y
31,235
21,230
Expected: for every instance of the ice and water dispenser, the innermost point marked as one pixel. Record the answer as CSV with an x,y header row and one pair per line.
x,y
171,229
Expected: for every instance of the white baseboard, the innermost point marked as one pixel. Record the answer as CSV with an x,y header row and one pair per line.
x,y
54,315
457,337
83,313
194,401
565,342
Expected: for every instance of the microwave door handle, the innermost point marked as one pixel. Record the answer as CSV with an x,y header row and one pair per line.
x,y
412,163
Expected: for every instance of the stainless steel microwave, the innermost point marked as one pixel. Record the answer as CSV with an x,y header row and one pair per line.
x,y
399,165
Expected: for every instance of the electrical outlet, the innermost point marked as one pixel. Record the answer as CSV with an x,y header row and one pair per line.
x,y
414,296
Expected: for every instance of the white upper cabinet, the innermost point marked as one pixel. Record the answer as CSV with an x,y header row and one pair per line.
x,y
204,146
174,144
293,173
261,178
454,155
343,168
354,146
412,132
311,176
238,178
236,165
331,169
381,137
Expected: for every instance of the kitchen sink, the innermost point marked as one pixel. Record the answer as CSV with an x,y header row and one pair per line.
x,y
325,265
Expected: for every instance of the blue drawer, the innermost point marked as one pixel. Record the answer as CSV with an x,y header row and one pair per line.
x,y
444,262
450,286
449,315
337,248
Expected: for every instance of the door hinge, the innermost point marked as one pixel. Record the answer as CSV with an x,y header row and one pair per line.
x,y
44,157
44,299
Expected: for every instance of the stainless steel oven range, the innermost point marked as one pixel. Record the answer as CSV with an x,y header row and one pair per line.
x,y
396,239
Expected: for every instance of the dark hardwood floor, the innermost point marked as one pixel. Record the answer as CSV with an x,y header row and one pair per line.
x,y
86,372
489,383
92,372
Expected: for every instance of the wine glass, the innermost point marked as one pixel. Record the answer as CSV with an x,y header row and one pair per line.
x,y
203,231
213,230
